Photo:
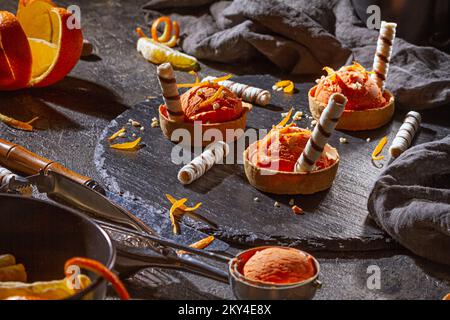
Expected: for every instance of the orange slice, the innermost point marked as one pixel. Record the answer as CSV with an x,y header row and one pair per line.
x,y
33,15
53,60
37,48
15,54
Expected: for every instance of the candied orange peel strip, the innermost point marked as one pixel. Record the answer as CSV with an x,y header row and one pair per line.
x,y
379,148
289,88
116,134
204,83
283,83
101,270
177,210
285,120
167,38
132,145
287,85
16,124
140,33
201,244
211,100
183,207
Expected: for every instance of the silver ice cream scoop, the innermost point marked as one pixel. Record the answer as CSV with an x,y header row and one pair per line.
x,y
247,289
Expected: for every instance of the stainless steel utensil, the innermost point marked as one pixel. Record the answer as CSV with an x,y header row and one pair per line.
x,y
244,288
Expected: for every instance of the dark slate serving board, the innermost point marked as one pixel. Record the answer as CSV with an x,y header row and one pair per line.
x,y
336,219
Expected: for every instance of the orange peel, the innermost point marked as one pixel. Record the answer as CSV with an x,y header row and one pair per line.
x,y
101,270
25,126
204,83
285,120
116,134
167,38
127,146
379,148
39,47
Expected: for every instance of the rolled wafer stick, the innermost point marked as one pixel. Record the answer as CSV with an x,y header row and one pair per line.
x,y
322,131
247,93
383,54
199,165
169,89
405,134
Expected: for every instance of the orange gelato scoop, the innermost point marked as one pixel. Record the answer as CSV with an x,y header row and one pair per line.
x,y
211,103
280,265
281,147
355,83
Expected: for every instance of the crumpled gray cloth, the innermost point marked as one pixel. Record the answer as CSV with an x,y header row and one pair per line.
x,y
303,36
411,200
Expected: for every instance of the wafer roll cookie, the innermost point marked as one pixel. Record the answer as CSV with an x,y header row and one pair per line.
x,y
199,165
169,89
383,54
405,134
321,133
247,93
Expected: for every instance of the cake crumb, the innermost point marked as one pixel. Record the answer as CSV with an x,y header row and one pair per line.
x,y
298,116
342,140
135,123
368,139
256,199
276,204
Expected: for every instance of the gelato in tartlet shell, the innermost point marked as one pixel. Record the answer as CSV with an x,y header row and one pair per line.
x,y
356,120
169,126
282,182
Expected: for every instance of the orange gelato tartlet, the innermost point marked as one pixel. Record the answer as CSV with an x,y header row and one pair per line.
x,y
269,163
367,107
281,148
280,266
215,107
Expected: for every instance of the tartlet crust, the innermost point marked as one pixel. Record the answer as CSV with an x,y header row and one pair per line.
x,y
353,120
169,126
290,183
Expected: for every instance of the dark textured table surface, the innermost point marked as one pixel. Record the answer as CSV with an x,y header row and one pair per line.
x,y
75,111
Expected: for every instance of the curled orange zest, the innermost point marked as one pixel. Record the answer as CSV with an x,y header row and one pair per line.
x,y
214,97
183,207
379,148
167,38
204,83
127,145
116,134
446,297
25,126
174,39
283,122
101,270
283,83
289,88
173,219
140,33
167,29
201,244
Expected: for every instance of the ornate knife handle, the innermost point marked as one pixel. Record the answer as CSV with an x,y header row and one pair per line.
x,y
20,159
